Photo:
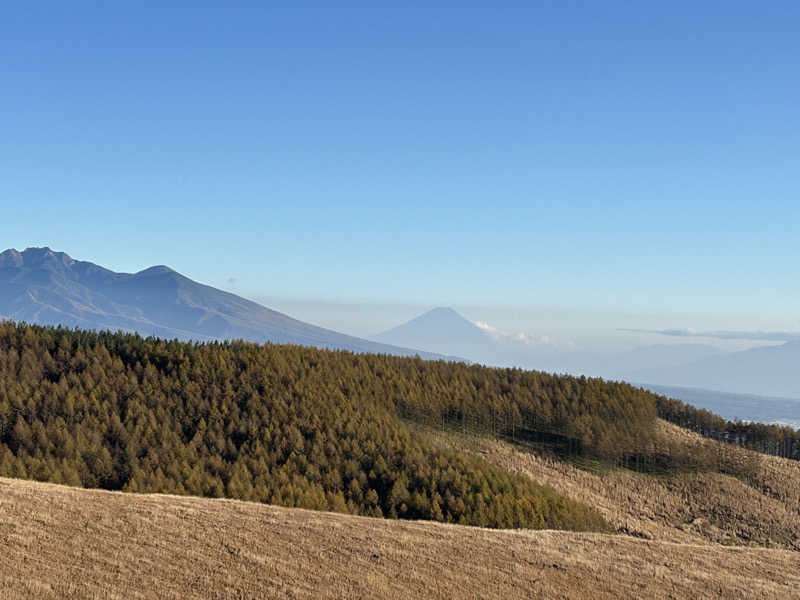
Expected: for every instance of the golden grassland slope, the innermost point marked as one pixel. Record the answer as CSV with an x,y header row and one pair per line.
x,y
762,509
777,477
60,542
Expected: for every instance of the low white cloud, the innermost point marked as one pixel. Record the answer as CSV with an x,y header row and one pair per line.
x,y
521,337
485,326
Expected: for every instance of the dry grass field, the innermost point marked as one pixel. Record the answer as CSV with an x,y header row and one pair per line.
x,y
60,542
700,535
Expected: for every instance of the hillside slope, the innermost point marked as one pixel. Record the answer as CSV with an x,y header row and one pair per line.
x,y
759,509
45,287
60,542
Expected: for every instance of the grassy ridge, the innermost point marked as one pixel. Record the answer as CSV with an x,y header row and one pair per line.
x,y
61,542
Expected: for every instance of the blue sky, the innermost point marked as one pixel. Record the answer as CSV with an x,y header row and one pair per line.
x,y
603,158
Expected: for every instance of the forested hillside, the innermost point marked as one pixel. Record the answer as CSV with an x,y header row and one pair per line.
x,y
298,426
286,425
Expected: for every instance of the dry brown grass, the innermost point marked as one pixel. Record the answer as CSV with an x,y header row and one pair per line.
x,y
688,508
59,542
777,477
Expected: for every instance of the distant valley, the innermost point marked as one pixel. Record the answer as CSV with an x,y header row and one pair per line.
x,y
747,407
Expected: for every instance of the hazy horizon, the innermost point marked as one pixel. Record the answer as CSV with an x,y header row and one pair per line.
x,y
564,328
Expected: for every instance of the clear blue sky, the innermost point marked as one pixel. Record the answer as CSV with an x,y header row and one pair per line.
x,y
600,155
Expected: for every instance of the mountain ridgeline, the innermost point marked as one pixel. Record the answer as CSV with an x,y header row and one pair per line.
x,y
766,371
45,287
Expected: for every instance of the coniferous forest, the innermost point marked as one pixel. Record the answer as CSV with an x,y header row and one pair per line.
x,y
298,426
286,425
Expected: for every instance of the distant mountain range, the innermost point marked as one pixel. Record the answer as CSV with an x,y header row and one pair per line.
x,y
445,331
45,287
658,356
764,371
41,286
